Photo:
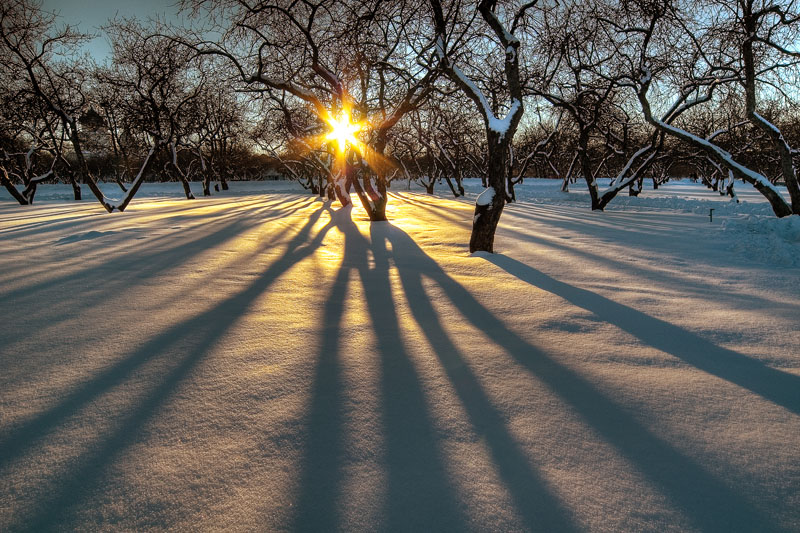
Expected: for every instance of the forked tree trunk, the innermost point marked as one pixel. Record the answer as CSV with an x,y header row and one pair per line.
x,y
30,192
11,188
173,162
460,184
340,184
373,202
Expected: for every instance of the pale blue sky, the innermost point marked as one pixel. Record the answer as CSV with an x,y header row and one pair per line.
x,y
89,15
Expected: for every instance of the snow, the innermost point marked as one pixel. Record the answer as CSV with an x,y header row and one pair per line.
x,y
511,53
486,197
501,125
260,360
498,125
768,124
730,162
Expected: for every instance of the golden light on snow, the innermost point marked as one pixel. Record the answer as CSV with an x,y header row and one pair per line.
x,y
343,130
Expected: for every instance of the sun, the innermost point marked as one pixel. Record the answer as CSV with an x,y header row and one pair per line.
x,y
343,130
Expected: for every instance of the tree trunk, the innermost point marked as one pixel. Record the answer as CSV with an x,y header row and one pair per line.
x,y
588,172
76,188
373,202
341,188
206,183
511,195
11,188
779,206
30,192
179,173
489,205
452,188
751,22
460,184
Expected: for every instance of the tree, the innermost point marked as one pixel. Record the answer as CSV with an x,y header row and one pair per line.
x,y
746,44
499,131
30,42
347,61
156,83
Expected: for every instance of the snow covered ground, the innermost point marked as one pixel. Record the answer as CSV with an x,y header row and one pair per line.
x,y
263,361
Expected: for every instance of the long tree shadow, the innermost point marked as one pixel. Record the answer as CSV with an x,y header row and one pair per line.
x,y
545,239
708,502
419,495
122,273
158,256
316,505
775,385
211,324
58,220
538,507
193,338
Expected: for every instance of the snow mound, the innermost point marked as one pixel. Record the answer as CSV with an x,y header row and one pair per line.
x,y
767,240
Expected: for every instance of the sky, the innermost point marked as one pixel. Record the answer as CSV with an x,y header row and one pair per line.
x,y
90,15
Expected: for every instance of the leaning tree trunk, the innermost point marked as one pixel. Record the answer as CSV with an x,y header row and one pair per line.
x,y
341,188
452,188
489,205
181,175
11,188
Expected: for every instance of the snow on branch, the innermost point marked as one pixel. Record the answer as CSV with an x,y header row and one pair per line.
x,y
498,125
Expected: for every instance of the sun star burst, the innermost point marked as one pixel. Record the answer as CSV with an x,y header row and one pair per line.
x,y
343,130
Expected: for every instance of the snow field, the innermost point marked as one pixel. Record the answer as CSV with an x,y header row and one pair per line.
x,y
264,361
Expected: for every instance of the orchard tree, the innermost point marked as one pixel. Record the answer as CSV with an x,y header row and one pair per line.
x,y
155,83
456,38
359,67
44,57
687,52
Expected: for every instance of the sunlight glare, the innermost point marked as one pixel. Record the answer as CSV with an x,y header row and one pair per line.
x,y
343,130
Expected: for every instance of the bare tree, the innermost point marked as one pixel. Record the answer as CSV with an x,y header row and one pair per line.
x,y
346,61
745,44
30,41
156,84
499,131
